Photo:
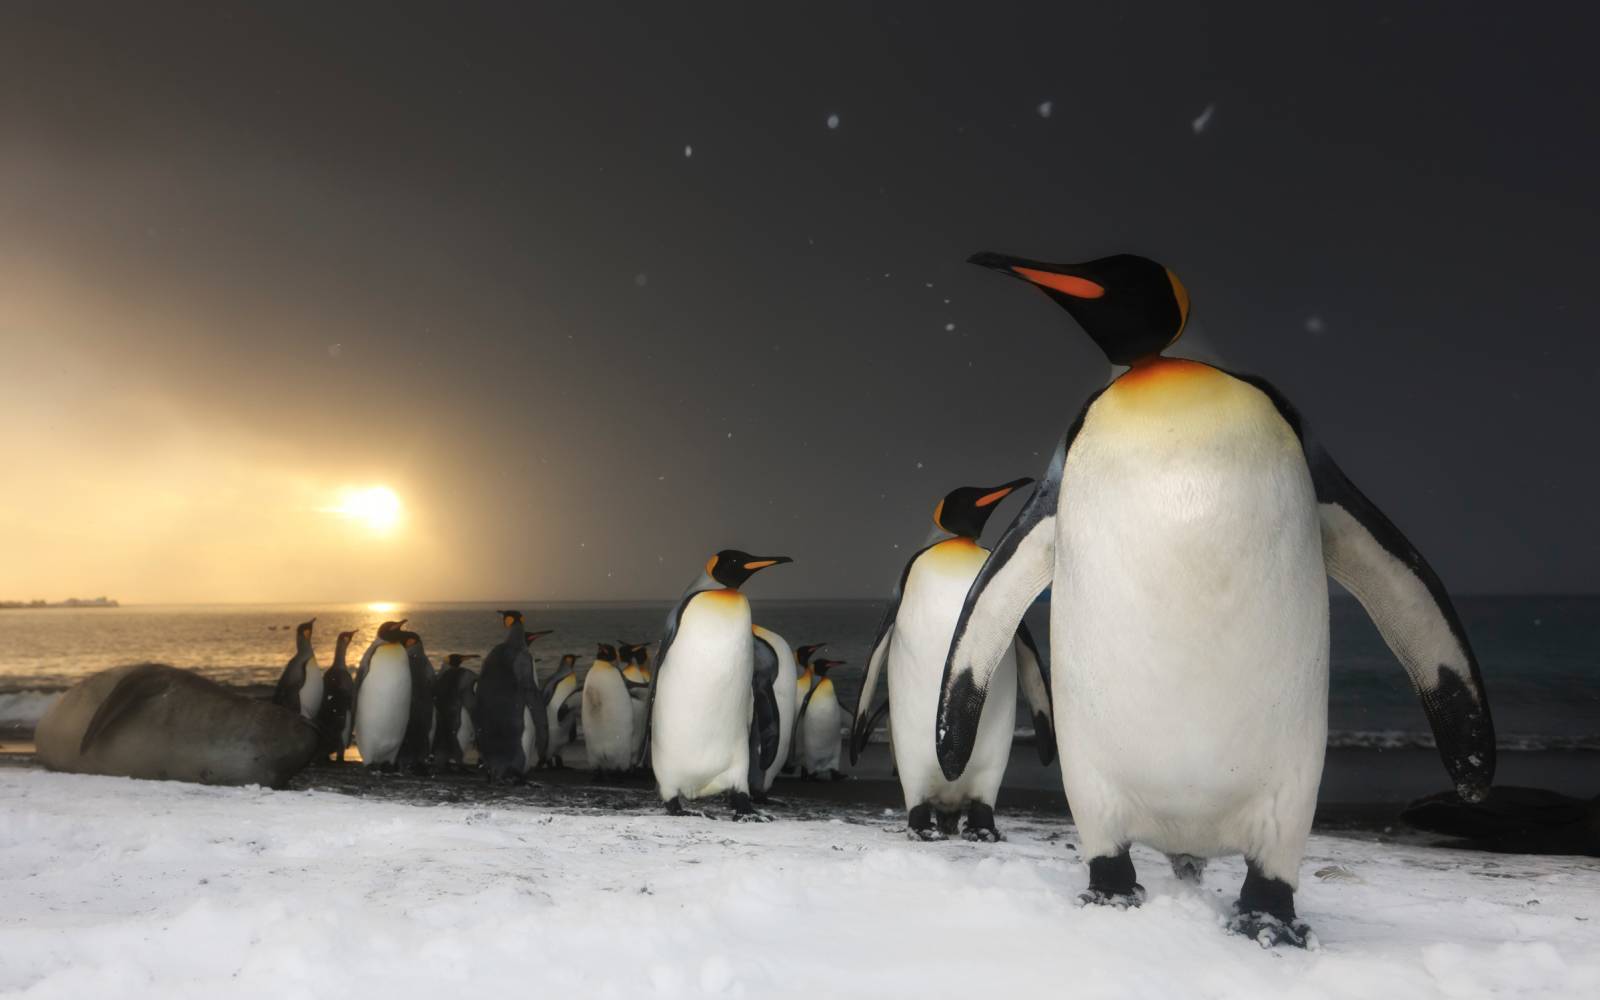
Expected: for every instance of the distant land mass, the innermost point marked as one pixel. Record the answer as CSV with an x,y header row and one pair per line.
x,y
71,602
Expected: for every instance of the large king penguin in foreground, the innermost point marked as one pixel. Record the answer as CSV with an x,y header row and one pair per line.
x,y
383,697
911,647
1187,524
702,701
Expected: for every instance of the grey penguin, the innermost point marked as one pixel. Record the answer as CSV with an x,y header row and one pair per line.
x,y
154,721
513,726
701,702
455,699
300,685
336,719
1187,525
909,651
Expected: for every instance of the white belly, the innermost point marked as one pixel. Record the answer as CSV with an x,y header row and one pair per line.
x,y
1189,627
701,723
311,691
822,725
607,719
384,706
465,737
530,737
560,733
935,590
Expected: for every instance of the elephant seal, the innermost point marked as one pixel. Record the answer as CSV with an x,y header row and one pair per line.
x,y
155,721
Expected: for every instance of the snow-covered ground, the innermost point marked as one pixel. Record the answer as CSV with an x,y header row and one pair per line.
x,y
117,888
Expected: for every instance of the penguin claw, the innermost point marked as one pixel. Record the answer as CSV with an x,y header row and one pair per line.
x,y
753,816
986,834
926,835
1119,900
1268,930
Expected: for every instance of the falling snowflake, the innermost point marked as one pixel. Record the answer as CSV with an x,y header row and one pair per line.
x,y
1314,324
1045,107
334,350
688,151
641,279
833,121
948,327
1200,123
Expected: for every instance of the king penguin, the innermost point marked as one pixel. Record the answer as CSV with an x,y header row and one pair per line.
x,y
910,649
300,686
821,720
383,697
1187,525
335,720
416,749
561,714
513,727
635,658
805,676
455,701
607,714
785,690
702,698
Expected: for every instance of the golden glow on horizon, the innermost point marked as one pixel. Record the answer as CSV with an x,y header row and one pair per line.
x,y
382,607
376,506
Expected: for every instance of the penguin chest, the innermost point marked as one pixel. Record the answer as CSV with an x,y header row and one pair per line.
x,y
311,690
1189,620
607,718
935,590
823,724
703,702
384,706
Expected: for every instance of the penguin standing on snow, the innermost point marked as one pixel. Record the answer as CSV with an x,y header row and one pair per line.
x,y
785,693
560,711
336,720
513,727
702,700
607,714
821,719
416,748
805,676
455,700
300,686
1187,526
910,649
383,697
766,723
635,661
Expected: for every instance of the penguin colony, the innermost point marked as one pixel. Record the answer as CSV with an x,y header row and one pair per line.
x,y
1186,526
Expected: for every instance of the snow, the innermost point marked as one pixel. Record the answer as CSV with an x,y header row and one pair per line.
x,y
153,889
833,121
1203,119
1045,108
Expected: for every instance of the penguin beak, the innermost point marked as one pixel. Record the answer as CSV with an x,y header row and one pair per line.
x,y
1055,277
764,562
999,493
539,635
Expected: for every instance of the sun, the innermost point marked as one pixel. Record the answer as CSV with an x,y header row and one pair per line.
x,y
378,507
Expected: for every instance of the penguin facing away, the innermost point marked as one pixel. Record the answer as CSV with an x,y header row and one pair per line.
x,y
804,678
335,719
1187,525
513,726
910,650
383,698
701,700
607,714
455,699
821,719
561,712
785,692
416,749
300,686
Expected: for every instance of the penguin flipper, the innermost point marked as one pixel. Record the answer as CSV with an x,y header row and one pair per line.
x,y
1370,557
655,675
766,722
1015,574
860,721
1034,678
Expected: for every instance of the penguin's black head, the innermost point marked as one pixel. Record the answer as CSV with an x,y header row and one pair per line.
x,y
345,637
823,666
966,510
408,638
803,654
732,568
456,659
1131,306
529,637
391,631
606,653
511,619
568,659
303,630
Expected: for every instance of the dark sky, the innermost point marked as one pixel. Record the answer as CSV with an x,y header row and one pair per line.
x,y
460,250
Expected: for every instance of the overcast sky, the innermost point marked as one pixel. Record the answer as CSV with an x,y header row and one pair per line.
x,y
597,290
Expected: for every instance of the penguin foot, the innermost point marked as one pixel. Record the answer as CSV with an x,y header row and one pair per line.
x,y
744,811
1187,868
926,835
1119,900
982,834
753,816
675,807
920,825
1268,931
980,824
1112,882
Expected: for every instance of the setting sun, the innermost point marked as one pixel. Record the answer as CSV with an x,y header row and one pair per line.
x,y
376,506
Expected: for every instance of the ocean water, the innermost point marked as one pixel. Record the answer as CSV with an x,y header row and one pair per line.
x,y
1540,655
